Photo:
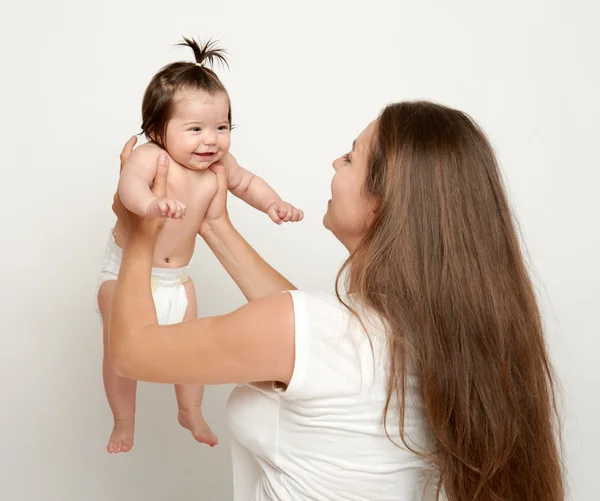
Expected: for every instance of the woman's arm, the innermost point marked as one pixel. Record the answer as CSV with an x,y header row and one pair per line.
x,y
252,274
253,343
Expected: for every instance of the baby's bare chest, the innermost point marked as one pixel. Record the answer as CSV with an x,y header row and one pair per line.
x,y
194,189
189,186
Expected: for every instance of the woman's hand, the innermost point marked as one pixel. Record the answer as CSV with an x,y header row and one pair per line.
x,y
217,214
132,222
117,207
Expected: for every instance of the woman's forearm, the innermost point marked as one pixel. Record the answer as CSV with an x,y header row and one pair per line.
x,y
133,307
252,274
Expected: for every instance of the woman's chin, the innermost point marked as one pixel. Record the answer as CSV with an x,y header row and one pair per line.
x,y
326,220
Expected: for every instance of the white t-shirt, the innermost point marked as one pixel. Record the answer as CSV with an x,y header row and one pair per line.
x,y
323,437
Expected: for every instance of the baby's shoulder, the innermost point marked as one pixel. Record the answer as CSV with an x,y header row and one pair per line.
x,y
147,152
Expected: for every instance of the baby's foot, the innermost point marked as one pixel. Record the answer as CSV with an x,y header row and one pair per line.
x,y
193,420
121,438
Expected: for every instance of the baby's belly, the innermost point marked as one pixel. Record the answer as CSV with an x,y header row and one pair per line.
x,y
174,246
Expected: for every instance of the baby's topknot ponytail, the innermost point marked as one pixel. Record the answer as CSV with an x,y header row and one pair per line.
x,y
206,53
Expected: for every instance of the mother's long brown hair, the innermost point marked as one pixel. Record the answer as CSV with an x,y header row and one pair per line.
x,y
443,266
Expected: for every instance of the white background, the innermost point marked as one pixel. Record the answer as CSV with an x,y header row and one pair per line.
x,y
305,78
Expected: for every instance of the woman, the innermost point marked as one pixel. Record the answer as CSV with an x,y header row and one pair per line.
x,y
434,358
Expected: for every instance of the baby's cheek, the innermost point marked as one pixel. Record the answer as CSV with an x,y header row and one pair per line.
x,y
225,144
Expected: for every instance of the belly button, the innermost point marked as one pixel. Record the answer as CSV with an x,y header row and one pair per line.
x,y
168,260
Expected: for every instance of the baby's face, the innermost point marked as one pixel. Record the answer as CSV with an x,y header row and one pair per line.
x,y
198,133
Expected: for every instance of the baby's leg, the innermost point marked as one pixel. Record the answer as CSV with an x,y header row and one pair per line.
x,y
189,396
120,391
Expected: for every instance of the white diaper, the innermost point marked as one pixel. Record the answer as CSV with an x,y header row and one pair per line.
x,y
168,291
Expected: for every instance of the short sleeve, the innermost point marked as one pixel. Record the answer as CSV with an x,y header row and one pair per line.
x,y
301,345
327,355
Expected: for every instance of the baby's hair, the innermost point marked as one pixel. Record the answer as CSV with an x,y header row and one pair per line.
x,y
207,52
157,105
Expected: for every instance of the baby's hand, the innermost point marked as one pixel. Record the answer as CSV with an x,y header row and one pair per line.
x,y
283,212
164,207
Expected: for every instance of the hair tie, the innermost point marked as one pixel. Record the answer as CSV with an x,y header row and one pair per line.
x,y
200,64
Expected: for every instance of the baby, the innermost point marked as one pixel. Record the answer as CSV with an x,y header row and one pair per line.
x,y
187,116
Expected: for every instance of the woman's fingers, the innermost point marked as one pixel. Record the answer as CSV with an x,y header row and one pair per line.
x,y
159,187
126,151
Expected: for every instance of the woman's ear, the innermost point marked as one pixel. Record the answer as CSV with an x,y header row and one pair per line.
x,y
373,211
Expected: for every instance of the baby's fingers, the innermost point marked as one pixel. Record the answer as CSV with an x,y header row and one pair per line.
x,y
286,213
298,215
175,208
282,211
163,208
272,213
179,211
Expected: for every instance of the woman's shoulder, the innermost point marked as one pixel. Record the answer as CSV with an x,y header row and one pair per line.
x,y
348,309
312,309
324,299
317,298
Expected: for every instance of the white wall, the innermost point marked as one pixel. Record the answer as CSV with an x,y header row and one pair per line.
x,y
305,78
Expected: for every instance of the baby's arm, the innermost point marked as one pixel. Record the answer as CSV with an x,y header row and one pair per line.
x,y
135,183
256,192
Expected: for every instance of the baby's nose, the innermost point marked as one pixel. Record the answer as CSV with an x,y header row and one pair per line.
x,y
210,138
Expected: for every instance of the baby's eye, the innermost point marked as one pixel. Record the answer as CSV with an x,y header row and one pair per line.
x,y
223,127
195,129
346,158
